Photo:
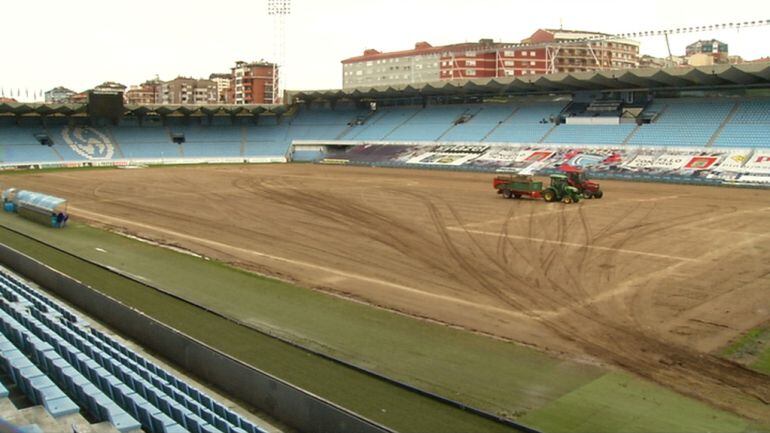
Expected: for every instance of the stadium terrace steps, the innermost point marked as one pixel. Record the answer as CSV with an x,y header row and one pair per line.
x,y
675,123
38,388
483,121
722,125
528,124
748,127
428,124
683,122
68,367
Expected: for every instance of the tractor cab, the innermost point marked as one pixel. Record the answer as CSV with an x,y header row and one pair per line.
x,y
560,190
576,177
558,180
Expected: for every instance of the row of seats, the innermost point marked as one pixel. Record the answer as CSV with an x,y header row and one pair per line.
x,y
95,402
676,122
103,377
38,388
749,126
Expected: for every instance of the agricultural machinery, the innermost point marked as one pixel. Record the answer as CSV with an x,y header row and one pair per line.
x,y
517,186
576,177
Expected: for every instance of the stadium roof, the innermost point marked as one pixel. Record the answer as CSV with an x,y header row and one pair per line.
x,y
750,74
43,109
213,110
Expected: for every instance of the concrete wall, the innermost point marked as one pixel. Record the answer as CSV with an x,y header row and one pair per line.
x,y
291,405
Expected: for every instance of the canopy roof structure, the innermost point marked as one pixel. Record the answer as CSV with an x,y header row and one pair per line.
x,y
43,109
715,76
682,78
207,110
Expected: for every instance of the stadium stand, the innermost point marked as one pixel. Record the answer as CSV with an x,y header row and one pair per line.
x,y
483,119
323,124
528,123
683,122
428,124
749,126
18,144
673,122
386,121
145,142
58,361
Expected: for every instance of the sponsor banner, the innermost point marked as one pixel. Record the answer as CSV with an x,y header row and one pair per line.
x,y
758,163
536,155
501,155
584,160
641,161
671,161
701,162
461,148
734,160
334,161
433,158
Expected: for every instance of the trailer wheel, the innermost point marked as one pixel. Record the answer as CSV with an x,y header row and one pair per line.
x,y
588,194
517,195
507,193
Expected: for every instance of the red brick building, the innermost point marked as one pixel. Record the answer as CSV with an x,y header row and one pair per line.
x,y
149,92
252,83
545,51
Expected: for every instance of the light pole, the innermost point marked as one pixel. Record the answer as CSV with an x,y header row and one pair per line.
x,y
279,10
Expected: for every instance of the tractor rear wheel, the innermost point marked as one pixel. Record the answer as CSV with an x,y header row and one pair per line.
x,y
507,193
549,195
599,193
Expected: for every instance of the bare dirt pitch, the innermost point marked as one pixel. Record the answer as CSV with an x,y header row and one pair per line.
x,y
653,278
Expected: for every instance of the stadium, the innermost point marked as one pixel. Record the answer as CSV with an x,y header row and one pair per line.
x,y
341,262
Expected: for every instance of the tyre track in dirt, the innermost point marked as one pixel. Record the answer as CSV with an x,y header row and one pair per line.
x,y
554,286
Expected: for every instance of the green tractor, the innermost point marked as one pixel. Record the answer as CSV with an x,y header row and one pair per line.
x,y
560,190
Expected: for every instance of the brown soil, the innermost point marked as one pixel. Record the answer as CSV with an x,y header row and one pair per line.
x,y
652,278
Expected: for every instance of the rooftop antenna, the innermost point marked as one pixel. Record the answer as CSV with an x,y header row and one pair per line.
x,y
561,23
279,10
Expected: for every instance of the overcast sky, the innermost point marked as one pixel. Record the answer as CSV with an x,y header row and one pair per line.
x,y
80,43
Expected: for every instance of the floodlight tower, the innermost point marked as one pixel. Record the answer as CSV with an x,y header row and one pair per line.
x,y
279,10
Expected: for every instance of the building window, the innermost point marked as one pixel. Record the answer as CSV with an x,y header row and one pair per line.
x,y
524,53
532,53
470,72
532,63
508,63
509,53
470,63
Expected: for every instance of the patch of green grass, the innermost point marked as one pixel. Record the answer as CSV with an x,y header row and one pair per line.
x,y
380,401
458,364
493,375
753,349
618,403
46,170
